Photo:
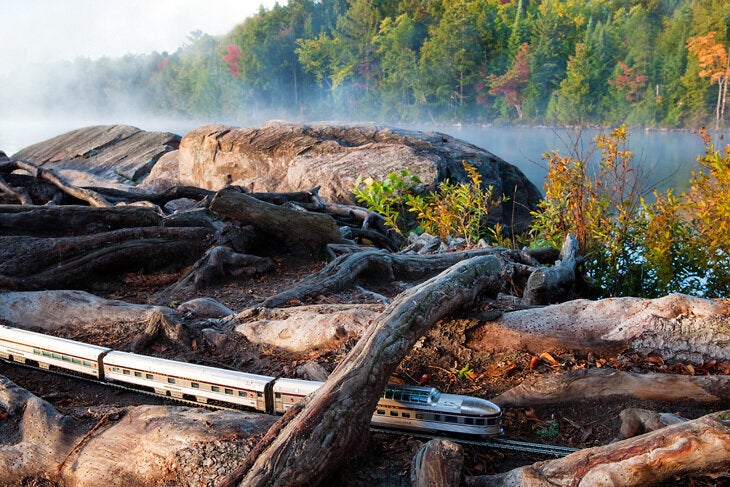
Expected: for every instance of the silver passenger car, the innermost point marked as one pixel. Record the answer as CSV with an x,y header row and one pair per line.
x,y
426,408
180,379
49,351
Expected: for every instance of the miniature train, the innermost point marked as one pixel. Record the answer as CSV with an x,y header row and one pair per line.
x,y
406,407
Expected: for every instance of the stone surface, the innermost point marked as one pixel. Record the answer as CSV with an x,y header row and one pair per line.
x,y
282,156
102,155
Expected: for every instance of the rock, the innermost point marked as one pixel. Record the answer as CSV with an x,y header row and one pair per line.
x,y
103,155
304,328
282,156
204,308
311,370
164,174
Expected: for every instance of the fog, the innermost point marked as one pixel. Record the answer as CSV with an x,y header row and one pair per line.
x,y
64,34
36,105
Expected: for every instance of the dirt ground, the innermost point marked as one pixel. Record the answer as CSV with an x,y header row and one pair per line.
x,y
438,360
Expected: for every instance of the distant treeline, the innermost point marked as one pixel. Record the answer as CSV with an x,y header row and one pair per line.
x,y
643,63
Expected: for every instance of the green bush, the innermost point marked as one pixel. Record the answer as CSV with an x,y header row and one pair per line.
x,y
453,209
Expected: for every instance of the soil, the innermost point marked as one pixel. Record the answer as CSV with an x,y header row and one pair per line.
x,y
438,360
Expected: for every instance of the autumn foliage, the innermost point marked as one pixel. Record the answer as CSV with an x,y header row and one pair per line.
x,y
232,57
714,64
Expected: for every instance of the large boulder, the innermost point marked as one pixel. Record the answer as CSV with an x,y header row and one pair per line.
x,y
102,155
281,156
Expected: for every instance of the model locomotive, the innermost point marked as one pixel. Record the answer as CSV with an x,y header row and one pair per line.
x,y
401,406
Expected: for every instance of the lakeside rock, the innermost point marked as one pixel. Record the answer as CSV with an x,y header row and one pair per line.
x,y
102,155
282,156
278,156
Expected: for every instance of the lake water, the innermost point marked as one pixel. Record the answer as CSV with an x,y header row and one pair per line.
x,y
665,157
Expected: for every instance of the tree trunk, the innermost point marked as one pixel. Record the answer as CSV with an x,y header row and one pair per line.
x,y
595,384
49,263
553,284
335,422
343,272
676,327
701,446
62,221
298,230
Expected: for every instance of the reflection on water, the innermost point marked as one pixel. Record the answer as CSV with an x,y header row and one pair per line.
x,y
665,157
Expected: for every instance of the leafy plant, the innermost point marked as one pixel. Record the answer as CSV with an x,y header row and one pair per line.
x,y
388,197
549,431
457,210
633,247
453,209
464,373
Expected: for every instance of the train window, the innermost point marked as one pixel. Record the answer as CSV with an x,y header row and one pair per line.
x,y
468,420
86,363
46,354
492,421
115,369
480,421
195,385
65,358
241,393
394,413
437,417
126,372
260,394
76,361
170,380
419,416
406,415
56,355
228,391
137,373
388,394
381,411
277,395
450,419
36,351
149,376
215,388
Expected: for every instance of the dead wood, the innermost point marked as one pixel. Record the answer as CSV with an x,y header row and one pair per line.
x,y
344,271
697,447
217,264
438,463
637,421
61,221
299,230
161,324
89,196
553,284
335,420
594,384
16,193
140,446
29,263
676,327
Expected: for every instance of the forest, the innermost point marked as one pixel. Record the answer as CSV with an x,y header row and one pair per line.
x,y
651,63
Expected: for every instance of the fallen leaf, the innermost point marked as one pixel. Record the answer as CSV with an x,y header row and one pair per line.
x,y
548,359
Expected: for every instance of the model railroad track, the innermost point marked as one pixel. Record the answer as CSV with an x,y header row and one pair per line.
x,y
497,443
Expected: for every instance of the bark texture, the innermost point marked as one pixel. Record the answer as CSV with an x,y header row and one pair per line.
x,y
700,446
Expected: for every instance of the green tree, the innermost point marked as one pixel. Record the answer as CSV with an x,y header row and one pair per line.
x,y
399,83
451,55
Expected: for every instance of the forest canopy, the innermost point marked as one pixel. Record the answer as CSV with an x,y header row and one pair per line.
x,y
647,63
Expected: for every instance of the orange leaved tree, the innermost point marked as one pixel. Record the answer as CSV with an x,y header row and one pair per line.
x,y
714,64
